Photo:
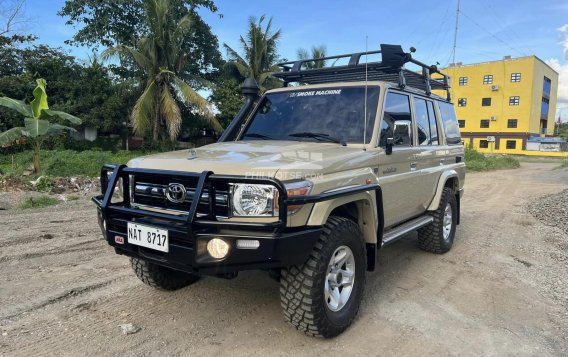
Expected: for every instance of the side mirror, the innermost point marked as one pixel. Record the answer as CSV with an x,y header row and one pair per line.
x,y
388,148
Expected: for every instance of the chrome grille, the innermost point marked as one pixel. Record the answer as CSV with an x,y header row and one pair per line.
x,y
153,194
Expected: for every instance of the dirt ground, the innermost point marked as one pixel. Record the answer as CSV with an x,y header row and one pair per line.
x,y
502,289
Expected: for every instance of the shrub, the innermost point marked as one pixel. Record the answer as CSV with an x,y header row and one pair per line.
x,y
476,161
42,201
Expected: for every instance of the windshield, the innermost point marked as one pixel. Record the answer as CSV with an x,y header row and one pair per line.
x,y
324,115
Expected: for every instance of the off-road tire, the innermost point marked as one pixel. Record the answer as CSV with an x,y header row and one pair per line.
x,y
431,237
302,286
160,277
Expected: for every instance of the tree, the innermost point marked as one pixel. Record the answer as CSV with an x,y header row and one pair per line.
x,y
110,23
316,53
159,55
36,126
227,98
11,18
260,48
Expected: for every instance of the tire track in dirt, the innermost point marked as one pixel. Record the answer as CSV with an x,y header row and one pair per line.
x,y
63,296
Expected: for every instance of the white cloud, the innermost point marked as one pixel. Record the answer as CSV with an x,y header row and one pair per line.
x,y
562,68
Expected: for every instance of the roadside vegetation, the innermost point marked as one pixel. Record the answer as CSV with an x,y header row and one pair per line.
x,y
38,202
476,161
65,163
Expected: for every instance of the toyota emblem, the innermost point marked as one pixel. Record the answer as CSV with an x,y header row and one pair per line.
x,y
176,193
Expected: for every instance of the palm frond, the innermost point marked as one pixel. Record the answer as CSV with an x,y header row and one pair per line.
x,y
191,98
141,60
143,114
170,112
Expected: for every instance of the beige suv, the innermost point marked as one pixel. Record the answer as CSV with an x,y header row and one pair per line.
x,y
307,183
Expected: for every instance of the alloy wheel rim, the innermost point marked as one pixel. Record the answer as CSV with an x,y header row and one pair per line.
x,y
340,278
448,221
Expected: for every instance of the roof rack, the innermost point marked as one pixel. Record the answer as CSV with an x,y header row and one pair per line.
x,y
390,69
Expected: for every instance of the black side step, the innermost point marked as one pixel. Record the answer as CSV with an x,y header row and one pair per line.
x,y
399,231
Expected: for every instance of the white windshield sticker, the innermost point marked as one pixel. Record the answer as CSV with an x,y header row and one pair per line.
x,y
316,92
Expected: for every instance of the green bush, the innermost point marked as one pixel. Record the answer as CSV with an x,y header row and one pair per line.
x,y
66,162
476,161
42,201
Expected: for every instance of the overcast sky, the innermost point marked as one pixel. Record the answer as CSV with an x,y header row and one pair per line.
x,y
488,30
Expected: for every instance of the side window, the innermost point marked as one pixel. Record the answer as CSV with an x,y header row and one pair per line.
x,y
397,121
433,124
425,122
450,123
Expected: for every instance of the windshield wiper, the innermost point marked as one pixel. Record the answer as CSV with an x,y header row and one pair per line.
x,y
257,135
318,136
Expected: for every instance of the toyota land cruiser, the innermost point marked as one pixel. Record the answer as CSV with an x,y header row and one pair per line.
x,y
307,182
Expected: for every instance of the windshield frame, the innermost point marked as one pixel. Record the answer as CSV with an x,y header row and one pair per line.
x,y
328,86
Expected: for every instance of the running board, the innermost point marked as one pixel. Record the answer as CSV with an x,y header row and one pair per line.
x,y
398,232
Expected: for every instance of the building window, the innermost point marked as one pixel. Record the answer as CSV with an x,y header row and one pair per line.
x,y
461,123
514,100
547,83
463,81
483,144
485,102
515,77
462,102
488,79
512,123
544,109
484,123
511,144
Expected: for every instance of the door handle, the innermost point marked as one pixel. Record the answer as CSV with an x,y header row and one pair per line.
x,y
413,166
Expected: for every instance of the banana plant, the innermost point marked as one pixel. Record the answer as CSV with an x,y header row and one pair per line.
x,y
36,124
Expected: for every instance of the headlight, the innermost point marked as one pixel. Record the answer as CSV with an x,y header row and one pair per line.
x,y
253,200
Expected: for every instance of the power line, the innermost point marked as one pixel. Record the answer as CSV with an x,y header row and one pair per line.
x,y
491,33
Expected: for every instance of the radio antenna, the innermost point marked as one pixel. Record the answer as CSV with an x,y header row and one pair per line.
x,y
366,84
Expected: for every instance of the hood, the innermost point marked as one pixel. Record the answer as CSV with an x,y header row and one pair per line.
x,y
267,158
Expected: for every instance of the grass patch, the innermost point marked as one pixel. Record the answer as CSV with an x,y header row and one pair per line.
x,y
563,165
42,201
476,161
66,162
73,198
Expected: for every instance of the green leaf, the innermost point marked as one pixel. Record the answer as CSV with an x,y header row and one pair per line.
x,y
16,105
57,128
61,115
12,134
40,98
36,127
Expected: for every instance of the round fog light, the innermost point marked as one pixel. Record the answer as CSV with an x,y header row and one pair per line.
x,y
217,248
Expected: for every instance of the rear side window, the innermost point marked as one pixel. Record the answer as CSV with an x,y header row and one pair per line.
x,y
450,123
397,121
425,122
433,124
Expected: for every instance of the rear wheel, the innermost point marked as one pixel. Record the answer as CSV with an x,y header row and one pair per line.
x,y
160,277
322,296
438,237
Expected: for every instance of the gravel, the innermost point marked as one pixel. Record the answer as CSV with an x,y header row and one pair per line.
x,y
552,210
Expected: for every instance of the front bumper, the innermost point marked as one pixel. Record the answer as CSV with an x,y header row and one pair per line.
x,y
188,252
279,245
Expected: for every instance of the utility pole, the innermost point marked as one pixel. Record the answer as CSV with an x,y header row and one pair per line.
x,y
456,33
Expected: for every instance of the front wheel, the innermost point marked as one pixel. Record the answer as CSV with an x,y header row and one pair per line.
x,y
322,296
160,277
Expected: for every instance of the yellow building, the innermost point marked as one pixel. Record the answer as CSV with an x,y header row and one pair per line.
x,y
501,104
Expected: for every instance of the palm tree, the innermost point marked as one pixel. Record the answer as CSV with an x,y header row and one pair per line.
x,y
260,51
160,57
317,52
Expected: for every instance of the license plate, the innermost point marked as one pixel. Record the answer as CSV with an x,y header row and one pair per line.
x,y
148,237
